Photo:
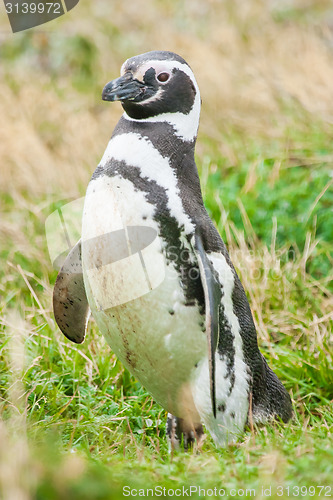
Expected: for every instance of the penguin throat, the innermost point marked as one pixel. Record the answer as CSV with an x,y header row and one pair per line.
x,y
185,125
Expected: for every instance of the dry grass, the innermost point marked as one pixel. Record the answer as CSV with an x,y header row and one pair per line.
x,y
250,69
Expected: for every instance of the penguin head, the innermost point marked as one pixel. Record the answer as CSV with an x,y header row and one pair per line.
x,y
156,86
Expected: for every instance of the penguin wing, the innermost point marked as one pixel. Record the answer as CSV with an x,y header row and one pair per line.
x,y
70,304
213,295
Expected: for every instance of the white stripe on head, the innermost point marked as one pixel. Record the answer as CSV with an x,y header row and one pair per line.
x,y
185,125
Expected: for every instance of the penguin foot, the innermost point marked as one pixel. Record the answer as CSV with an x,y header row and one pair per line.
x,y
179,431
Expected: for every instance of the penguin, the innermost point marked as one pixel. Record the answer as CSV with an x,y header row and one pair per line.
x,y
153,270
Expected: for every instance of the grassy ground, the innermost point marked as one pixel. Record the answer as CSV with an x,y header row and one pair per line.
x,y
73,423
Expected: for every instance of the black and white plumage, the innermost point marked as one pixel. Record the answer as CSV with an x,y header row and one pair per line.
x,y
155,272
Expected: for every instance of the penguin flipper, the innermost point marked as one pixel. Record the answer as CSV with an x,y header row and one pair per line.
x,y
70,304
213,295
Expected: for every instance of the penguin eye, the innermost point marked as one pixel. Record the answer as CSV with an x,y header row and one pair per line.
x,y
163,77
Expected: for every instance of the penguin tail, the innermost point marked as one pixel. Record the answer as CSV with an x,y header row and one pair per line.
x,y
272,400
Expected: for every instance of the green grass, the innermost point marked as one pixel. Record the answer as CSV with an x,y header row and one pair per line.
x,y
73,423
89,428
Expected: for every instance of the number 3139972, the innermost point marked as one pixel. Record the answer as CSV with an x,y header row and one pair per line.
x,y
33,8
302,491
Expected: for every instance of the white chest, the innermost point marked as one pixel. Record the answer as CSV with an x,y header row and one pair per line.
x,y
137,300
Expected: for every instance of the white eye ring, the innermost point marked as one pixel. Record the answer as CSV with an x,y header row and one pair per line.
x,y
163,77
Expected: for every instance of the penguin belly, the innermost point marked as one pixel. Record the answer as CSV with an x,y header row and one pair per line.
x,y
137,301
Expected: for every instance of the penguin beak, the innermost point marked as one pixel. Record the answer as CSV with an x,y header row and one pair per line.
x,y
125,88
